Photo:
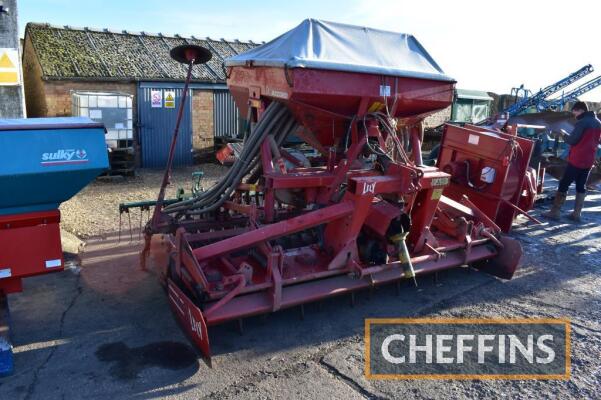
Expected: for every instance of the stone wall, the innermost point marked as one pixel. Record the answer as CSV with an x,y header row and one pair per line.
x,y
438,118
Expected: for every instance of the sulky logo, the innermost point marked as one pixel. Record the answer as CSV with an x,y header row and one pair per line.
x,y
81,154
65,156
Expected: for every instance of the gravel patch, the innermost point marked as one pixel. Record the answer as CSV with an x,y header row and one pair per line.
x,y
95,210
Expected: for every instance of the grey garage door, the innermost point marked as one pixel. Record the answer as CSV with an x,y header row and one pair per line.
x,y
226,117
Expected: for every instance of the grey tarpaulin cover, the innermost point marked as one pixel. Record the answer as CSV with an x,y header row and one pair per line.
x,y
341,47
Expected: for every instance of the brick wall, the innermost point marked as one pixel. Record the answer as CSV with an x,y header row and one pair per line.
x,y
58,94
202,120
59,103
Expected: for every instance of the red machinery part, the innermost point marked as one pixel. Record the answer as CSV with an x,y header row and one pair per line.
x,y
490,168
322,100
228,153
254,255
31,245
225,155
360,211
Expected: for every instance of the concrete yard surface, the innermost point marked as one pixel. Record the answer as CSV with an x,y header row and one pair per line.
x,y
104,330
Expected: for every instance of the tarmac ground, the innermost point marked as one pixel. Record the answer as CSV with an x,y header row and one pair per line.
x,y
103,329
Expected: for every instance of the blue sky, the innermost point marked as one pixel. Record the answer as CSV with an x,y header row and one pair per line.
x,y
482,44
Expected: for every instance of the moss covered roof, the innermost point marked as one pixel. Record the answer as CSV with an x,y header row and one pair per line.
x,y
85,53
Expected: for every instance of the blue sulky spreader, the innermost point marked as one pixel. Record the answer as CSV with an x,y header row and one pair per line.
x,y
44,161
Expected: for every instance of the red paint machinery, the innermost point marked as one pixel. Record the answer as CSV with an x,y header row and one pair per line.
x,y
280,230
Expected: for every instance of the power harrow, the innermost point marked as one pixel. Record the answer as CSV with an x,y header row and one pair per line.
x,y
285,227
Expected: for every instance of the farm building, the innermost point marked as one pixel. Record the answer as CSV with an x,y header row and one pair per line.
x,y
128,81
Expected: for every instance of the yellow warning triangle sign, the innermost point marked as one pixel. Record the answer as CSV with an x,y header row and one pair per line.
x,y
169,98
5,62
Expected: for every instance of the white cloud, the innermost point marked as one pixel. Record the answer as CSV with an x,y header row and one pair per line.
x,y
495,45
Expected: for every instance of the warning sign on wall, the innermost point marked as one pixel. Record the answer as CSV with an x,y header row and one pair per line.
x,y
9,67
156,98
169,99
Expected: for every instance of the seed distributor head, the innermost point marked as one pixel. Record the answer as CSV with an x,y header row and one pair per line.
x,y
187,53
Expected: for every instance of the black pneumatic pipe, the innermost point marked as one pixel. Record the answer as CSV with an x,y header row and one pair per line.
x,y
247,166
218,187
276,116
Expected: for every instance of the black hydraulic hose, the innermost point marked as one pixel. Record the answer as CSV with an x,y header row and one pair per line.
x,y
282,131
221,191
282,134
249,147
257,170
238,178
289,125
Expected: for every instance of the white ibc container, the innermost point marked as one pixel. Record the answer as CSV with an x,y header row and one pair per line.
x,y
114,110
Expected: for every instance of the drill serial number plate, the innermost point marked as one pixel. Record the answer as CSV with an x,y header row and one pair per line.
x,y
440,181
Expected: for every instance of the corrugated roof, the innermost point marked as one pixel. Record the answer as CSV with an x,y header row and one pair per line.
x,y
66,52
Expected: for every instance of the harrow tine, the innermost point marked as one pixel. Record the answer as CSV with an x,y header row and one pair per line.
x,y
353,299
131,234
119,240
240,326
302,312
140,230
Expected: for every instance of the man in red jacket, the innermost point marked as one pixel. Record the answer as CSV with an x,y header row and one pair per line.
x,y
583,142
